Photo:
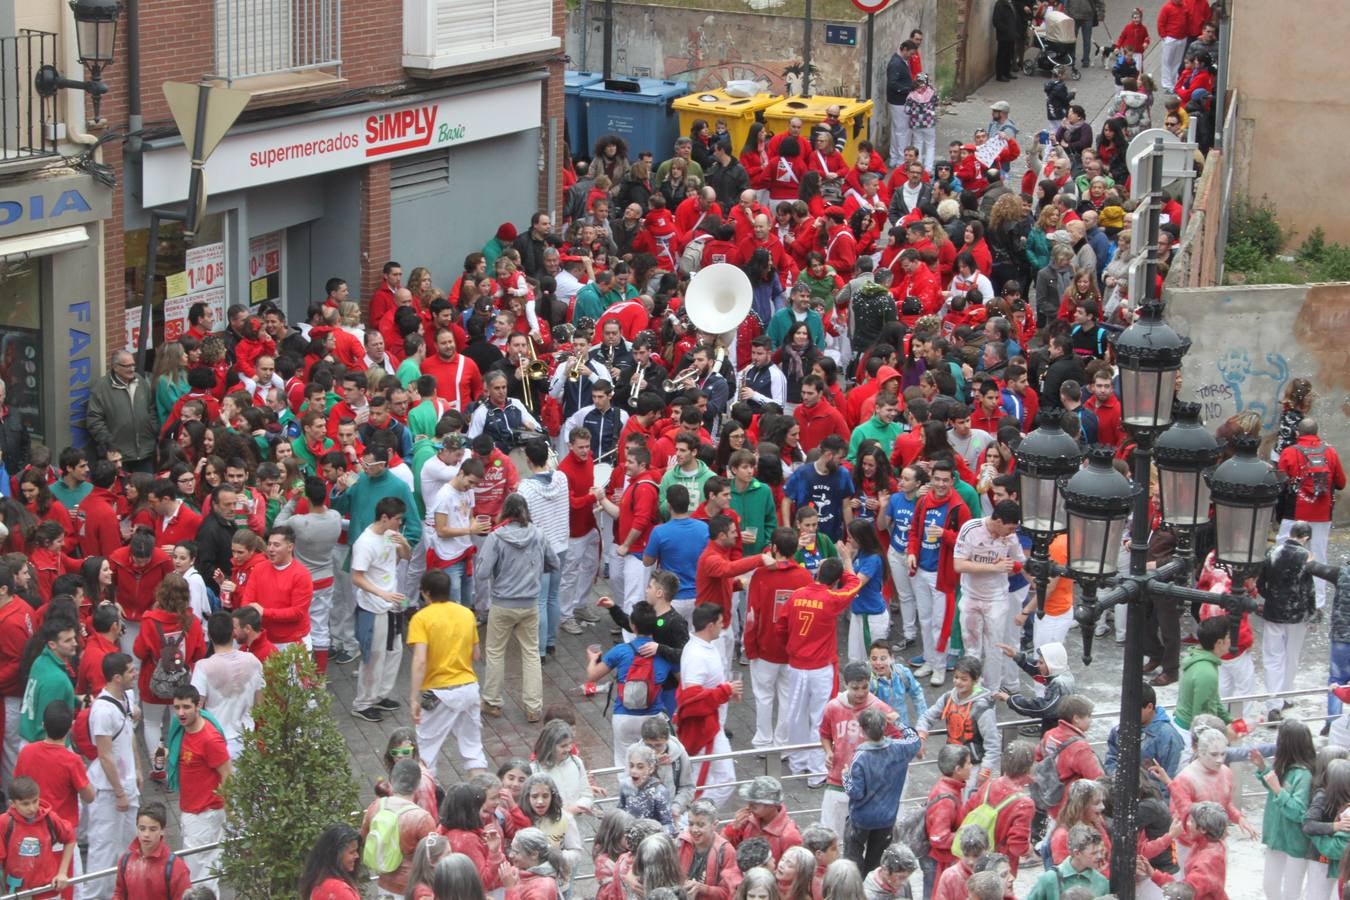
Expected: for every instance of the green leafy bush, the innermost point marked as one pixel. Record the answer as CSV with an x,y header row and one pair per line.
x,y
1255,225
292,781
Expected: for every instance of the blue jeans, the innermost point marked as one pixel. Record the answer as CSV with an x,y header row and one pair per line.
x,y
1085,32
461,584
550,612
1339,674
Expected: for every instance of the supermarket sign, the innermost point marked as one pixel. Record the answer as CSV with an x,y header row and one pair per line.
x,y
300,149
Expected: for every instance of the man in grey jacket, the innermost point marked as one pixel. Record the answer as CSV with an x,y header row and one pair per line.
x,y
1086,14
316,533
121,414
546,494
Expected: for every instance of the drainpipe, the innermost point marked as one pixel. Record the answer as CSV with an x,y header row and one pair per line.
x,y
1221,86
134,121
75,117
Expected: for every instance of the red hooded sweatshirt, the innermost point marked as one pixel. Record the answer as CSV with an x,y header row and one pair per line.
x,y
102,534
639,509
141,877
136,585
762,609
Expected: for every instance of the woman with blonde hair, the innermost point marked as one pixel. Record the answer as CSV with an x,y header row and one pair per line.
x,y
170,378
946,250
1007,240
758,884
168,626
420,284
1084,805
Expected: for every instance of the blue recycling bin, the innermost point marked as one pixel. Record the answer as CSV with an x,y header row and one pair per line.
x,y
574,110
636,109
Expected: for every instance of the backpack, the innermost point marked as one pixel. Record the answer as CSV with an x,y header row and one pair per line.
x,y
985,816
1046,788
691,259
171,671
381,851
168,872
1314,479
911,828
638,689
962,718
82,737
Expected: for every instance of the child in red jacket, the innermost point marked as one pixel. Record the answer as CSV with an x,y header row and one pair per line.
x,y
1206,868
943,816
30,825
1134,39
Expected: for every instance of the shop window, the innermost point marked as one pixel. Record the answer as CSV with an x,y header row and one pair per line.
x,y
171,277
21,340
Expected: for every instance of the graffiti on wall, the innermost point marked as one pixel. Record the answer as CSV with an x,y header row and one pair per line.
x,y
1245,385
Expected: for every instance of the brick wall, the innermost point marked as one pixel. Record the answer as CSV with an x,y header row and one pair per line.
x,y
552,103
375,223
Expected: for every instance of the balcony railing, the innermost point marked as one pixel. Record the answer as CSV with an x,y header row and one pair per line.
x,y
445,34
270,37
23,132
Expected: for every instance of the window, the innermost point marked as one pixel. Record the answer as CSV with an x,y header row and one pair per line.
x,y
266,37
443,34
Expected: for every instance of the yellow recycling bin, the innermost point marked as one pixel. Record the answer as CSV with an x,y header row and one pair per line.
x,y
853,114
738,112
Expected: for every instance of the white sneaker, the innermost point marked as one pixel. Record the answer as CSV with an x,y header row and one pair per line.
x,y
939,678
923,671
586,614
570,626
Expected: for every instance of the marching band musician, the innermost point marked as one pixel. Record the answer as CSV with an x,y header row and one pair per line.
x,y
499,416
612,354
714,385
762,381
572,379
517,358
648,373
602,419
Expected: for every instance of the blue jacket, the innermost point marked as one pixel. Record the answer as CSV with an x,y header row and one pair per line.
x,y
894,690
875,779
1161,741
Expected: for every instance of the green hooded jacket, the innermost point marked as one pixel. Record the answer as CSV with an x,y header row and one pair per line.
x,y
1282,823
48,680
694,482
1199,689
874,429
755,507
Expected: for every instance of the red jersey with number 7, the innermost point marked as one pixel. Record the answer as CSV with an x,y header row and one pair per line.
x,y
808,625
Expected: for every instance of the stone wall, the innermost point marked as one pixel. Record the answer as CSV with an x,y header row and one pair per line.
x,y
707,47
975,55
1248,342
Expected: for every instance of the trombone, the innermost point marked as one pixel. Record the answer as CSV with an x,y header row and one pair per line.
x,y
681,381
531,370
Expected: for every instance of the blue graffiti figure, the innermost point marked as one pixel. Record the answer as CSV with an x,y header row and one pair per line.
x,y
1235,367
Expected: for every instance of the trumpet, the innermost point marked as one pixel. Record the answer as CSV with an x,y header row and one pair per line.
x,y
635,387
680,381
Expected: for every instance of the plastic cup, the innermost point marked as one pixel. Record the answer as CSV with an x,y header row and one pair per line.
x,y
751,534
483,521
593,649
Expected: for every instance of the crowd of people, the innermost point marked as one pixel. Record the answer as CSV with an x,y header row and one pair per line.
x,y
825,497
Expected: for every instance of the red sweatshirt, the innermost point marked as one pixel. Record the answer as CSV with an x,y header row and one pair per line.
x,y
142,877
716,571
817,423
581,505
102,535
1109,429
807,624
135,586
16,627
1173,22
762,609
28,857
781,832
942,819
50,565
181,527
639,510
721,876
1012,830
1075,762
1206,869
284,595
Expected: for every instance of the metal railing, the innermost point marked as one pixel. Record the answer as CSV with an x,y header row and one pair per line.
x,y
106,873
265,37
23,131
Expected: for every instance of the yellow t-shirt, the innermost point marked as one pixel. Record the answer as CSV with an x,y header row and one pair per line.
x,y
450,655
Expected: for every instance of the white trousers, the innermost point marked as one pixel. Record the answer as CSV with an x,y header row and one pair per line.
x,y
378,672
1013,633
1318,886
416,568
200,829
863,629
900,134
627,732
719,772
932,609
152,723
808,692
769,683
13,742
982,627
110,832
1321,534
904,589
459,714
1051,629
1281,650
1283,875
578,574
1237,678
629,577
834,811
321,612
1173,49
925,139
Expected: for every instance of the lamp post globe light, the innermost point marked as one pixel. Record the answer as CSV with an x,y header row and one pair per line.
x,y
96,40
1184,455
1098,500
1245,491
1044,457
1149,355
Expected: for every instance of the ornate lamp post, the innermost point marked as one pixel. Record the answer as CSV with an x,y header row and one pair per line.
x,y
96,37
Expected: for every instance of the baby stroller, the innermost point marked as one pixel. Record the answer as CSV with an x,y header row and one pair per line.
x,y
1056,43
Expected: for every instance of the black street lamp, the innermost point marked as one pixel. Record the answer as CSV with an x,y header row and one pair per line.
x,y
1245,491
1044,457
1184,455
96,38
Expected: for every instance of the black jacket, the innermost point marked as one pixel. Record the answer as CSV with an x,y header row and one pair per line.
x,y
531,253
213,548
729,181
1286,588
1339,576
1007,24
899,80
15,444
1060,371
898,209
